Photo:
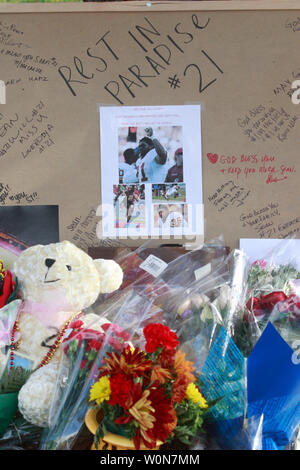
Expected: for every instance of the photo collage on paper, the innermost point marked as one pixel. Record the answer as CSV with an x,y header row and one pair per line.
x,y
149,190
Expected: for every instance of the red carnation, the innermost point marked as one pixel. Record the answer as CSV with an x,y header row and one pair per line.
x,y
94,344
76,324
117,330
158,336
120,386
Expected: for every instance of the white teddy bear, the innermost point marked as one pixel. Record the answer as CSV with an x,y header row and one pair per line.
x,y
57,282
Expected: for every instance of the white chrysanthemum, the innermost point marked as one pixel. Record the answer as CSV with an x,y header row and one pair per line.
x,y
36,395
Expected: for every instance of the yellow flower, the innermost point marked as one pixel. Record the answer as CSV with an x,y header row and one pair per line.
x,y
192,393
100,391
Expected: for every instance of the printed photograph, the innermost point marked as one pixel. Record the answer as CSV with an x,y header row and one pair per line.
x,y
170,216
150,155
24,226
129,206
171,192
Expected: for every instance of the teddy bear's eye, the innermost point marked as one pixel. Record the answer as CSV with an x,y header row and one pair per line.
x,y
69,268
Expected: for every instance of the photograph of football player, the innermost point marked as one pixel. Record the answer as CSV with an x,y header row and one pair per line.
x,y
175,173
152,164
170,216
149,157
127,169
129,206
171,192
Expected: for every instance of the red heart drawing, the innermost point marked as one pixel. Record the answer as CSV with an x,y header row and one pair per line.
x,y
212,157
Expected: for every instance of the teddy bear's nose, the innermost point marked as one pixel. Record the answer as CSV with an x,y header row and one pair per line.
x,y
49,262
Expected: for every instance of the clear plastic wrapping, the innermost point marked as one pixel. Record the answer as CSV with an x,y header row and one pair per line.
x,y
251,370
130,310
83,354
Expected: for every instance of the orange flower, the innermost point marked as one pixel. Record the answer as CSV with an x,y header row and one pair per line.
x,y
184,368
179,389
184,375
132,363
160,374
166,358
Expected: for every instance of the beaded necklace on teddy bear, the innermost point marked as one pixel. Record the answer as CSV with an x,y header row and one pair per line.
x,y
14,345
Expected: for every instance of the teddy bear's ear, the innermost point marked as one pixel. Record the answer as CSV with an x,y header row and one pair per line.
x,y
21,263
110,274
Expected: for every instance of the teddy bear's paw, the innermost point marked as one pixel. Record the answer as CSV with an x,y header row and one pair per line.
x,y
36,395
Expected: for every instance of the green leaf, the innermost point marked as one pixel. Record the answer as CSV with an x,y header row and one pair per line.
x,y
100,433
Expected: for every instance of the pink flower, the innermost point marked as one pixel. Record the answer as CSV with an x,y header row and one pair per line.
x,y
261,262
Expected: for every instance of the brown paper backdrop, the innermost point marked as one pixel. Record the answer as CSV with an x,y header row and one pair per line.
x,y
238,64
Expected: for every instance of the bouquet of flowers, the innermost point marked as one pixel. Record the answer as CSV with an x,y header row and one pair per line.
x,y
268,285
252,367
82,351
265,277
150,396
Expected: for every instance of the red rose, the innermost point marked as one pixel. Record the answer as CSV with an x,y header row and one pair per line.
x,y
8,286
270,300
158,336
